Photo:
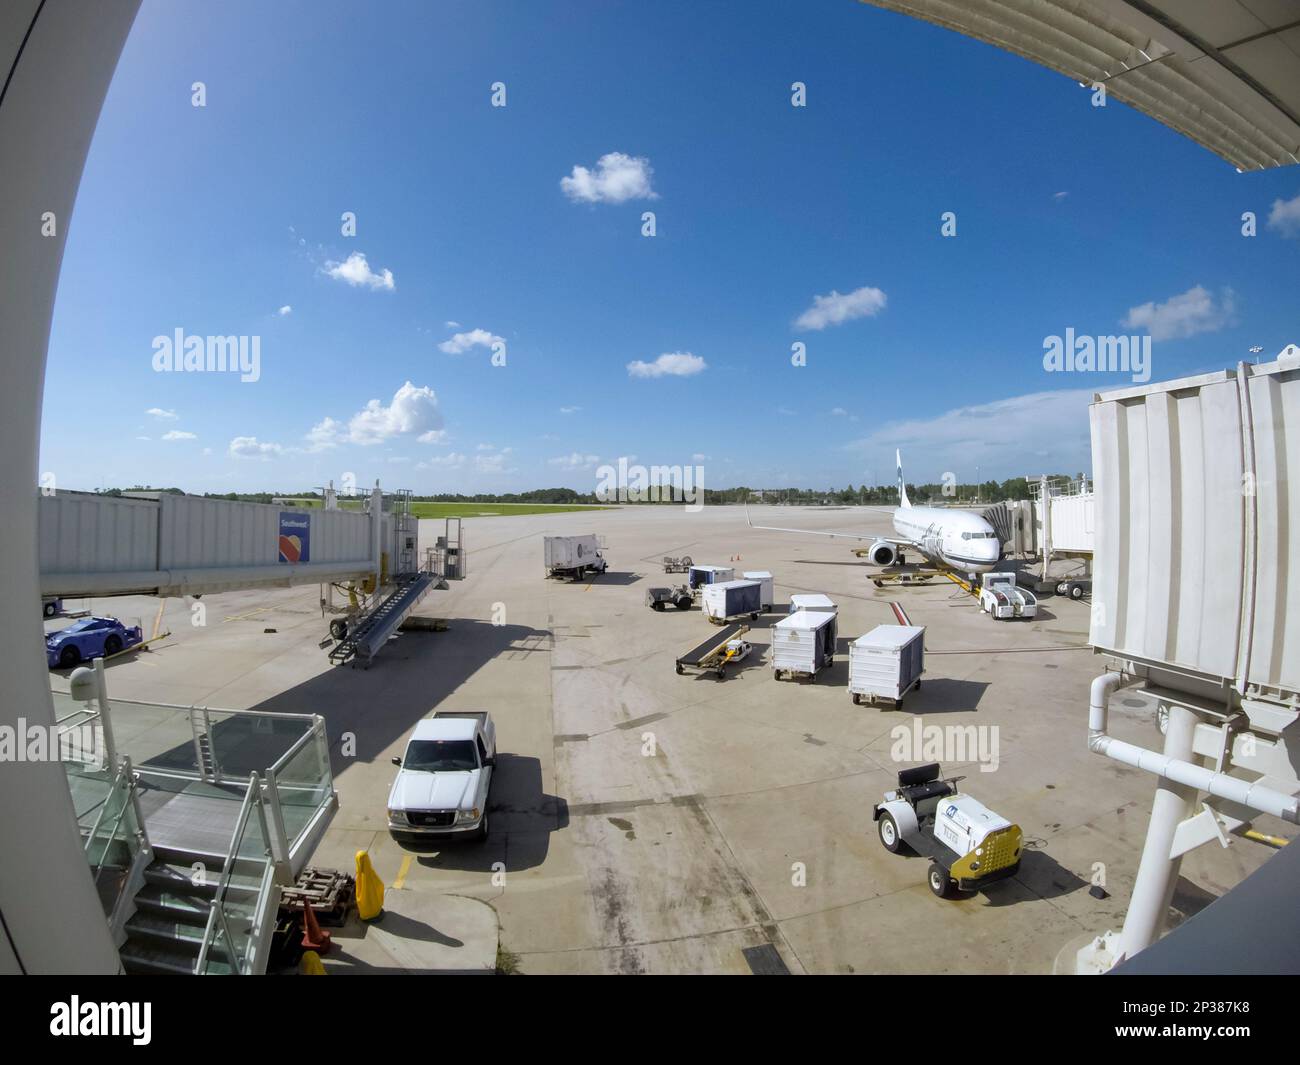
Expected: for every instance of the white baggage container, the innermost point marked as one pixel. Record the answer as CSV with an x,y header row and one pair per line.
x,y
817,602
732,599
803,643
699,576
765,579
886,663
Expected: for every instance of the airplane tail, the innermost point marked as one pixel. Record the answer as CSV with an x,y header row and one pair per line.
x,y
903,501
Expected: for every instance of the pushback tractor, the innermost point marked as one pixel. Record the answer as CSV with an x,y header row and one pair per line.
x,y
969,846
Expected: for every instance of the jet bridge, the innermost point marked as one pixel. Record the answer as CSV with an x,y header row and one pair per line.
x,y
178,545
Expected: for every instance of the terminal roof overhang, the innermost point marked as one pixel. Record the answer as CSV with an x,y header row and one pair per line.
x,y
1225,73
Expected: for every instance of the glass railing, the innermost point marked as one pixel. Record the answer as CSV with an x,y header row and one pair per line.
x,y
242,899
302,784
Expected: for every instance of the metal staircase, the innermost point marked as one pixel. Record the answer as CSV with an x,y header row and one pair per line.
x,y
368,634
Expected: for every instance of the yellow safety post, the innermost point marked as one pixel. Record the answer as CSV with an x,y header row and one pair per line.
x,y
310,964
370,889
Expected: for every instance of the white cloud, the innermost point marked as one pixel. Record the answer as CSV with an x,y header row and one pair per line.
x,y
699,457
1285,217
284,311
616,179
494,463
178,434
413,412
475,338
485,447
163,415
570,410
1185,315
451,325
1043,432
575,461
356,271
838,412
452,460
672,364
837,308
325,434
142,438
249,447
1059,196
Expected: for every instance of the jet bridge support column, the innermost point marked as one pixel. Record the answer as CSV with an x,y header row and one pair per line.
x,y
1157,874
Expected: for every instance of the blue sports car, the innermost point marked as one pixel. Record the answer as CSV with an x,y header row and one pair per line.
x,y
88,639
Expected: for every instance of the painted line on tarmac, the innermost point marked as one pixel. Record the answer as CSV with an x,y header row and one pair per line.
x,y
401,873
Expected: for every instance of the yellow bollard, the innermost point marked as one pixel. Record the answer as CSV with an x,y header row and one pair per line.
x,y
310,964
370,889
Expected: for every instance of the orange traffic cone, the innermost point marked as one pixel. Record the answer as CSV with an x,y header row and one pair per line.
x,y
313,937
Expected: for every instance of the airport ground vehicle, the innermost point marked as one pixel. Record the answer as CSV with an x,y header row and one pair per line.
x,y
1001,598
767,584
679,596
573,556
90,638
732,599
969,846
698,576
803,644
715,654
677,565
444,779
886,663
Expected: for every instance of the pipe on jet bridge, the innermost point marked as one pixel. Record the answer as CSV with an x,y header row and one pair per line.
x,y
179,582
1256,796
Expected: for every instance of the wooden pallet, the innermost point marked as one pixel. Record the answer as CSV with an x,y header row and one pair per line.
x,y
329,893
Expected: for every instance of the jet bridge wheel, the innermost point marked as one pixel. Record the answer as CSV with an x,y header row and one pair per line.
x,y
940,882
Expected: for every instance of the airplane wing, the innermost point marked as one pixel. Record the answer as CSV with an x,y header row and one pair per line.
x,y
832,535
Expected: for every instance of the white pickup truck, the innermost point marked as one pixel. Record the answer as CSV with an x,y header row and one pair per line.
x,y
442,786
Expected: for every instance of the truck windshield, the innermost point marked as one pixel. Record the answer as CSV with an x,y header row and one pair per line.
x,y
440,756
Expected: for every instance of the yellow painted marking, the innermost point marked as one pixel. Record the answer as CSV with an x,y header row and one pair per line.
x,y
245,617
401,873
157,621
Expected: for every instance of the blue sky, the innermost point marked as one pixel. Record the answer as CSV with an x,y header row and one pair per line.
x,y
212,219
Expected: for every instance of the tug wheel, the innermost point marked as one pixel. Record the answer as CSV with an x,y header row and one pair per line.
x,y
940,883
889,837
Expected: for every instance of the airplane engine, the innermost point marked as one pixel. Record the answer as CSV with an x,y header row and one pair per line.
x,y
883,553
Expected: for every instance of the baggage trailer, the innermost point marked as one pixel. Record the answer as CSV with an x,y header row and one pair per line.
x,y
886,663
720,650
732,599
803,644
765,579
815,601
698,576
677,565
572,556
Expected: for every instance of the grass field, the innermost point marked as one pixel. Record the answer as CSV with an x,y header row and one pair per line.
x,y
466,510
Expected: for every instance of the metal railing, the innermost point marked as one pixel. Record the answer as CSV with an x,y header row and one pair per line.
x,y
235,924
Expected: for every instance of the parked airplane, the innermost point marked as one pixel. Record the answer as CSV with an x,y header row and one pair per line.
x,y
954,539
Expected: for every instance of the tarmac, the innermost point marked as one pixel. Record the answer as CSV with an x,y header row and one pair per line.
x,y
645,822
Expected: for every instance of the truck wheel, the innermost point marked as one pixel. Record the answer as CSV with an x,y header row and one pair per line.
x,y
887,827
857,699
684,603
940,883
112,645
680,671
69,657
656,605
482,832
